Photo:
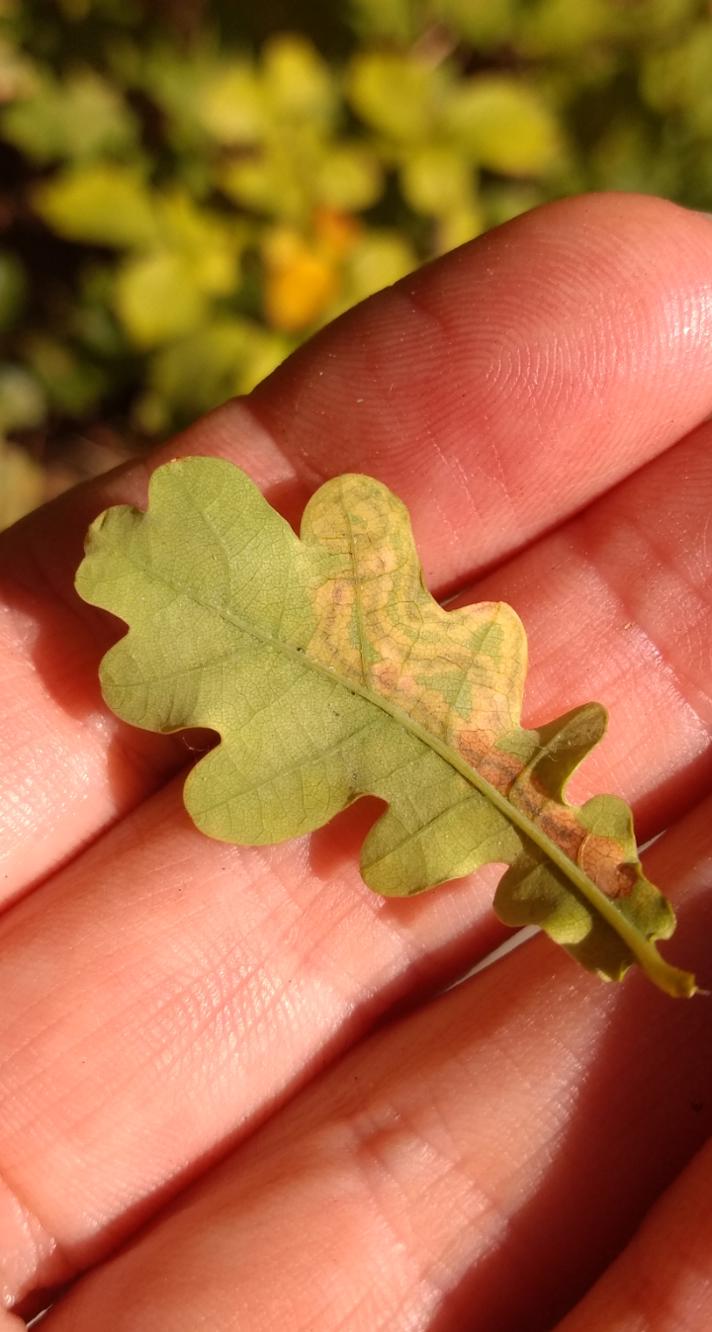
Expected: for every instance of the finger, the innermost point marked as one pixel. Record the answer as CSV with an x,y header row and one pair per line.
x,y
206,983
503,387
618,606
476,1164
187,895
488,379
664,1277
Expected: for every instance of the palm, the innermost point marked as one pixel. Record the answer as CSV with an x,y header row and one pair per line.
x,y
478,1160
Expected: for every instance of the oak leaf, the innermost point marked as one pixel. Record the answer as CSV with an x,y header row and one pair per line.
x,y
329,672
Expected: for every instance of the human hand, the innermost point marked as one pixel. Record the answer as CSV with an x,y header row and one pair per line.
x,y
252,1022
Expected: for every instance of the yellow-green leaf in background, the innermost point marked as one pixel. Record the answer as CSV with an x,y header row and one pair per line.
x,y
158,297
22,403
492,23
379,258
435,179
216,360
395,20
561,28
209,240
230,105
678,78
397,93
102,203
329,673
347,176
294,172
558,27
298,84
460,224
240,103
176,77
22,483
272,181
80,117
505,125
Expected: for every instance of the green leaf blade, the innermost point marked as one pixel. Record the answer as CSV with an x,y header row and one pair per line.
x,y
329,673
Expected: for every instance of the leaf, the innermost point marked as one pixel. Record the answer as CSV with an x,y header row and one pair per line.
x,y
460,225
298,84
22,483
22,402
273,182
330,672
395,20
231,105
556,27
239,103
380,258
347,177
100,203
79,117
493,24
218,359
678,77
505,125
158,298
208,239
397,94
436,180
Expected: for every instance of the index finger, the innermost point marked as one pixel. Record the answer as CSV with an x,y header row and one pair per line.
x,y
496,391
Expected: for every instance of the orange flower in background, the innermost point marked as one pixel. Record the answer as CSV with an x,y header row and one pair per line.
x,y
336,232
303,275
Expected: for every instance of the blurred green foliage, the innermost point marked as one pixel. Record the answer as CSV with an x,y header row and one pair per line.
x,y
189,188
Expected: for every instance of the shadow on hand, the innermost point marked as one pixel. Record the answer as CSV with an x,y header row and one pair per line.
x,y
649,1084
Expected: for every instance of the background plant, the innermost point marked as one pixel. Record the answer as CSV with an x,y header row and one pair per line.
x,y
189,189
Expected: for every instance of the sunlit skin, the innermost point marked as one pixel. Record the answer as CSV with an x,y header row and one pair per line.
x,y
233,1094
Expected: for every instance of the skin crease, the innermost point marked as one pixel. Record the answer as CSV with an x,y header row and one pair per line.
x,y
253,1026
